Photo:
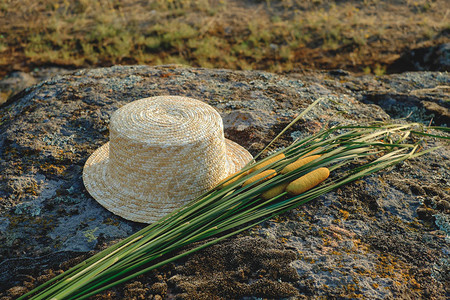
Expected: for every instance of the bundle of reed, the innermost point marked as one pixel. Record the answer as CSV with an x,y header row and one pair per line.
x,y
288,178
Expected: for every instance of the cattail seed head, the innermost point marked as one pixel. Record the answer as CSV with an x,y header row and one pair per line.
x,y
267,174
308,181
275,191
299,163
268,162
225,183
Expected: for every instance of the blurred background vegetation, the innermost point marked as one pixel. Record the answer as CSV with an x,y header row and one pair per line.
x,y
273,35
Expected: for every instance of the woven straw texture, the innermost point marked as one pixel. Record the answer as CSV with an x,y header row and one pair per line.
x,y
163,152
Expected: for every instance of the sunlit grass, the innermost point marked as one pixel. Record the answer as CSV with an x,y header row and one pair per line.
x,y
265,35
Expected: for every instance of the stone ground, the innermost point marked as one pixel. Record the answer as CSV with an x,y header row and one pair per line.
x,y
385,236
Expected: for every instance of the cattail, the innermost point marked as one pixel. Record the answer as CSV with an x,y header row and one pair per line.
x,y
267,174
318,149
308,181
299,163
275,191
225,183
267,162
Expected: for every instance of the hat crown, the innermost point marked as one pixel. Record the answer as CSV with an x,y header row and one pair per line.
x,y
166,120
169,148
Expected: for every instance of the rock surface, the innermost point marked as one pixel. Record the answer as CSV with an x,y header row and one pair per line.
x,y
18,80
435,58
386,236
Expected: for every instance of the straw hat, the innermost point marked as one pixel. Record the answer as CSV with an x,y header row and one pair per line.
x,y
163,151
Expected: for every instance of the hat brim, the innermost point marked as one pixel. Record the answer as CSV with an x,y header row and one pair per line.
x,y
118,202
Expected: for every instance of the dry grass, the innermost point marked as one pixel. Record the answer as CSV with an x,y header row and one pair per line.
x,y
272,35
